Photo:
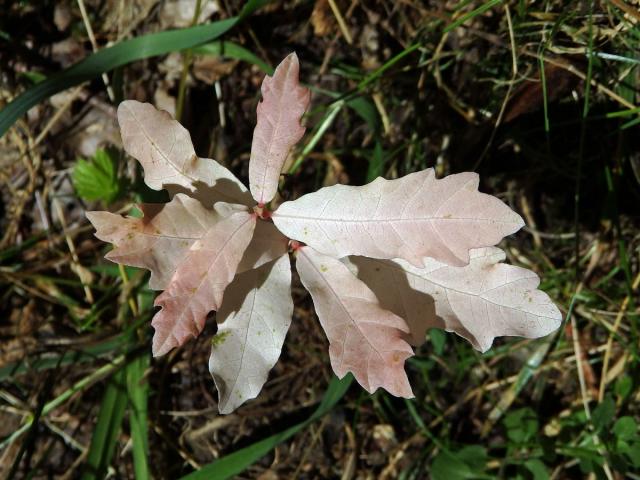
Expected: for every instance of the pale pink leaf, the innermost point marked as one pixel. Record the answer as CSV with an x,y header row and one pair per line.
x,y
254,319
266,245
278,128
165,150
364,338
200,280
159,240
395,293
413,217
480,301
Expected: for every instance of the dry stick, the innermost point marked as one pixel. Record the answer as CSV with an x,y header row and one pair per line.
x,y
87,381
612,333
21,194
584,394
332,44
341,23
386,123
94,46
186,62
125,282
566,66
570,68
559,364
507,97
314,438
56,116
629,10
72,249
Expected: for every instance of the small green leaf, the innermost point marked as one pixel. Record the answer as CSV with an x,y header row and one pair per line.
x,y
604,413
537,469
33,77
623,386
438,339
376,162
522,425
97,178
625,428
446,466
468,462
475,456
634,454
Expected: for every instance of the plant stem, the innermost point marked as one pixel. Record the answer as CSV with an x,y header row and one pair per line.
x,y
186,62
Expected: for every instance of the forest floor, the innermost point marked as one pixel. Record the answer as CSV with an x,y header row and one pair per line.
x,y
540,98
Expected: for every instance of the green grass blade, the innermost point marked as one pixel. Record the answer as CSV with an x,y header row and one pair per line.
x,y
230,465
138,391
105,436
376,162
468,16
119,343
118,55
233,50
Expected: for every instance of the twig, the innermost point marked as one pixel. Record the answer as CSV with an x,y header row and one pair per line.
x,y
186,62
66,395
341,23
612,334
584,395
56,116
94,46
75,261
507,97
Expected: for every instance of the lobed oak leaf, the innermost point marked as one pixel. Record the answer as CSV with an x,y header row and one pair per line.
x,y
395,293
254,319
164,149
364,338
431,265
159,240
199,281
413,217
480,301
278,128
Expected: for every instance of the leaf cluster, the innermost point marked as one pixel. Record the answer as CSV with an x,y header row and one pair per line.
x,y
383,262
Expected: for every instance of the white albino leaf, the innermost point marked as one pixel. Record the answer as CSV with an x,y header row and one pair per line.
x,y
278,128
254,319
199,282
266,245
159,240
430,241
411,218
480,301
166,153
396,294
364,338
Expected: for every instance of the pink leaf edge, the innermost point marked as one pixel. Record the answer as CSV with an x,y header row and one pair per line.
x,y
278,128
364,338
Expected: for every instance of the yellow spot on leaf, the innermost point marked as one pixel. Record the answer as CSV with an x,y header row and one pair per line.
x,y
219,338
